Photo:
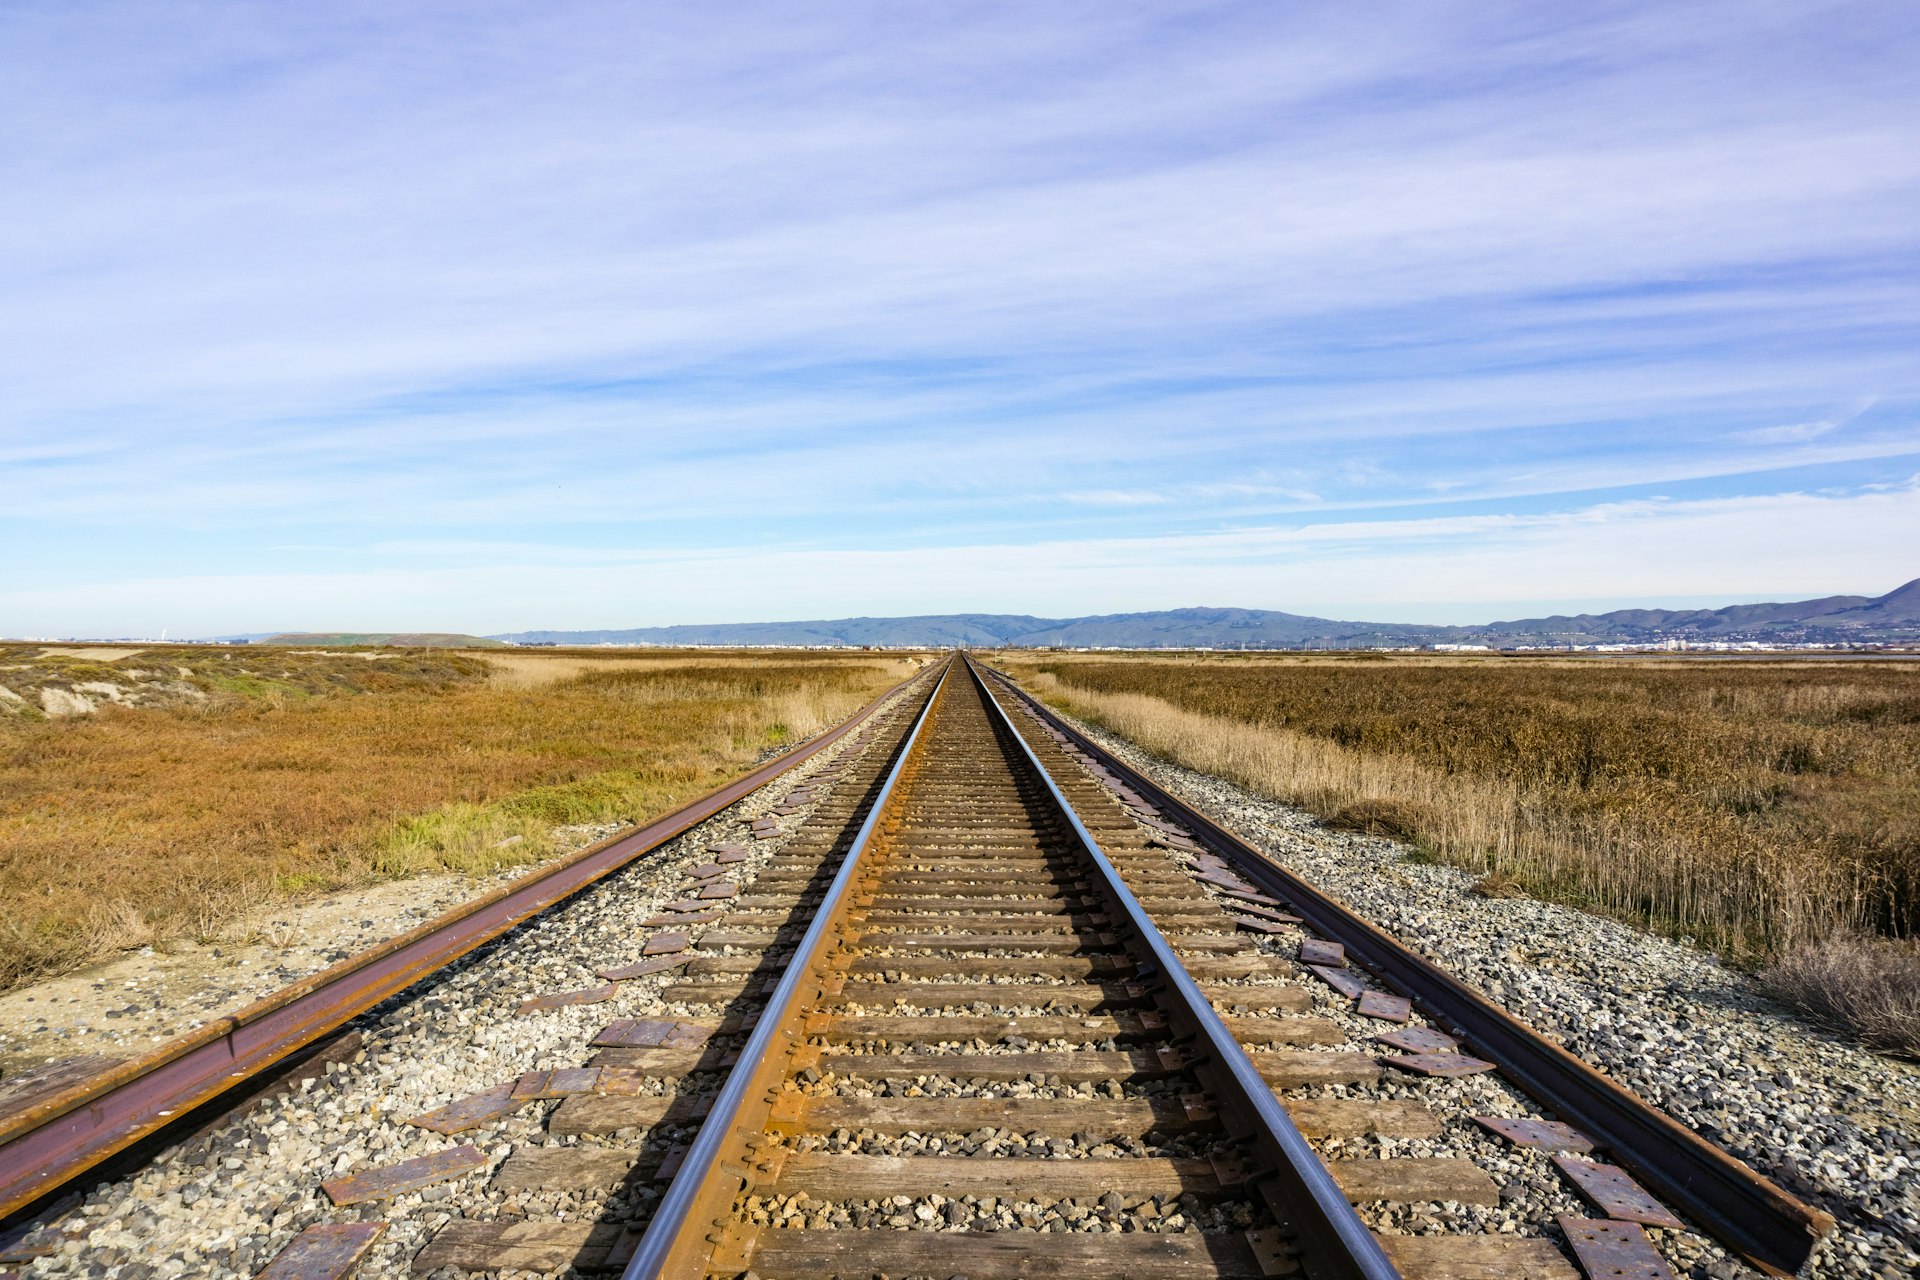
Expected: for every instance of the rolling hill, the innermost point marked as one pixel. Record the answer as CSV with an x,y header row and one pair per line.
x,y
1830,619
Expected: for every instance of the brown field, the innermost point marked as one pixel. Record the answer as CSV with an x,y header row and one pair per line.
x,y
207,782
1770,810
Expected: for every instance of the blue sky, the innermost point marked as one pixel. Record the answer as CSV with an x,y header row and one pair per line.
x,y
555,315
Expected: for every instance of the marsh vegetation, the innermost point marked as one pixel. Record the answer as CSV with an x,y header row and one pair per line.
x,y
1769,810
165,794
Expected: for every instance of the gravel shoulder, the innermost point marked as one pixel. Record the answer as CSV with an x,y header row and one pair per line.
x,y
225,1201
1834,1123
126,1006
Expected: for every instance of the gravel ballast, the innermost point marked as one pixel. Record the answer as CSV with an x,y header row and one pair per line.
x,y
222,1204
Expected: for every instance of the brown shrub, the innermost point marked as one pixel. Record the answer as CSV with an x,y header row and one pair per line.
x,y
1496,885
1864,986
1374,816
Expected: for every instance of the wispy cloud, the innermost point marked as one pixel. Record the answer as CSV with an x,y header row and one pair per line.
x,y
1790,433
691,278
1476,567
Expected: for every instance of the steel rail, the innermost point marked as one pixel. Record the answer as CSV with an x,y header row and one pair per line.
x,y
1735,1204
49,1143
673,1243
1336,1244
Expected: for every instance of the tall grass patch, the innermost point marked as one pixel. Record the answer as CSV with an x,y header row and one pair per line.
x,y
248,776
1765,809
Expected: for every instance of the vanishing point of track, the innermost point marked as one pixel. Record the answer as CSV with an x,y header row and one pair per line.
x,y
989,929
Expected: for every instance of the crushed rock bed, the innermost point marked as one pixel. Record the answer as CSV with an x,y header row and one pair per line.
x,y
126,1006
1833,1123
224,1203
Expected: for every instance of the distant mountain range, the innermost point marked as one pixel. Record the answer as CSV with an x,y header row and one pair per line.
x,y
1833,619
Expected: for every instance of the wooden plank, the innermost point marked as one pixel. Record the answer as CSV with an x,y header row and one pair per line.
x,y
966,859
1185,944
943,995
1083,995
1005,1255
518,1245
715,939
1070,1065
1477,1258
670,1033
1285,1030
1355,1117
1049,891
1248,964
534,1085
843,1028
627,972
609,1113
472,1111
325,1251
1283,998
975,926
1283,1069
1414,1180
964,880
565,1169
1013,906
842,1177
408,1175
708,966
1295,1069
662,1064
987,921
720,990
1006,966
972,942
1131,1117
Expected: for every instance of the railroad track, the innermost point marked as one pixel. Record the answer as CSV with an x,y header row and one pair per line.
x,y
983,1014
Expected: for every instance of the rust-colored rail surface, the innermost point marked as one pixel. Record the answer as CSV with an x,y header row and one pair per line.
x,y
991,901
55,1139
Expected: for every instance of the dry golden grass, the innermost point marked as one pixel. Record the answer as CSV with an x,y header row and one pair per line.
x,y
221,778
1864,985
1756,807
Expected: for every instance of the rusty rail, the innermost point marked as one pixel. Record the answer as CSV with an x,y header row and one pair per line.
x,y
1298,1187
1732,1202
51,1142
675,1243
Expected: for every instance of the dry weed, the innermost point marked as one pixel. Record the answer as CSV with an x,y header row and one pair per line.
x,y
1757,807
1373,816
288,773
1864,986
